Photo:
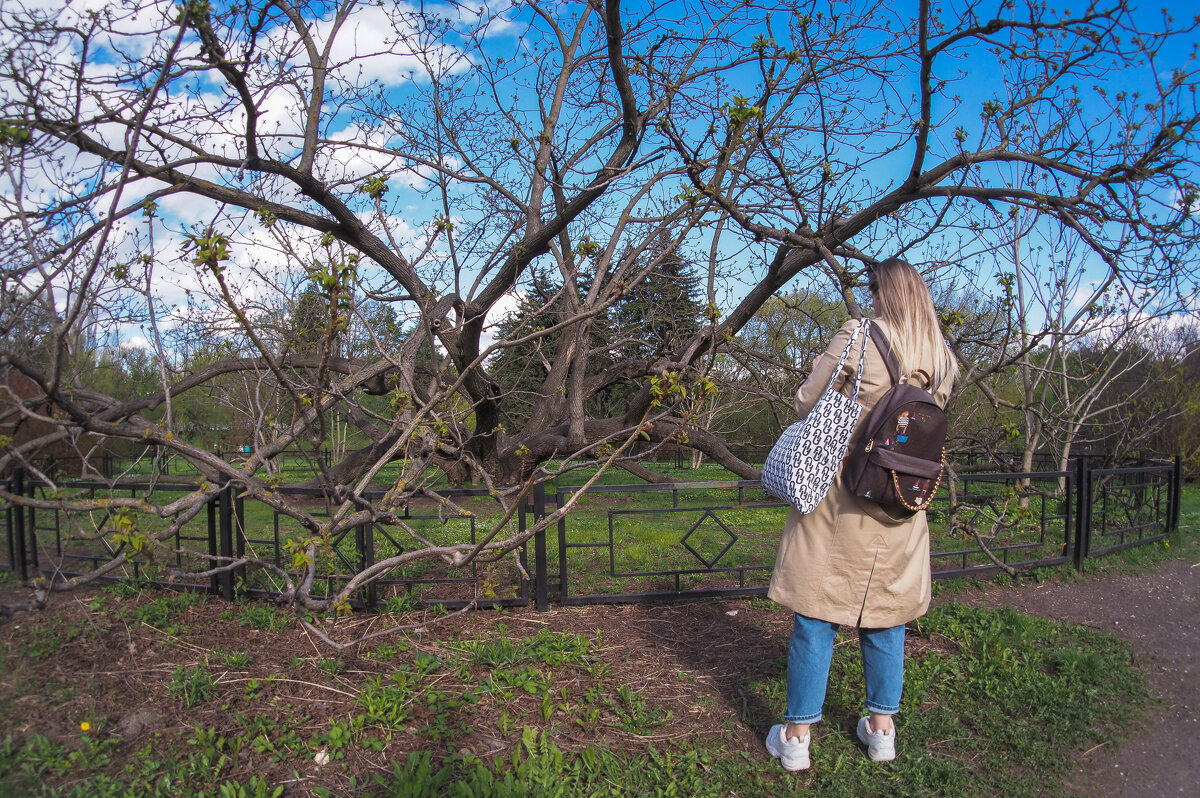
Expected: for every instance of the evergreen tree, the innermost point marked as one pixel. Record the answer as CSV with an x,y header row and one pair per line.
x,y
521,369
662,311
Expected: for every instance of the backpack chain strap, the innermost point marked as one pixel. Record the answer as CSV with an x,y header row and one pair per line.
x,y
932,493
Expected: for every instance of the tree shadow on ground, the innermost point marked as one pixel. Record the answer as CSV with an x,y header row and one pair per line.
x,y
742,651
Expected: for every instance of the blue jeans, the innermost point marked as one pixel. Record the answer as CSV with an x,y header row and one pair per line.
x,y
811,651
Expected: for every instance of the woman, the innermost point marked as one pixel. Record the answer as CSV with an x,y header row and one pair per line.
x,y
850,561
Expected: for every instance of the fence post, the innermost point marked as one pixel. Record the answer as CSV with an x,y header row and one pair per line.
x,y
31,529
1083,512
8,526
540,598
18,531
364,541
1176,493
211,509
564,584
239,521
225,539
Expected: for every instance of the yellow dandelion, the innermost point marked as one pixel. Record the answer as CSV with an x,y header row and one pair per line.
x,y
85,726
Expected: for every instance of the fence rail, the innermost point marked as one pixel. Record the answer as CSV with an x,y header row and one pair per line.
x,y
621,543
155,462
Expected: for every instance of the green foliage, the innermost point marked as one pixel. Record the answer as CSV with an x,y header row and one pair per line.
x,y
1052,684
389,651
405,601
279,740
634,714
416,777
339,736
209,249
653,315
29,764
13,135
331,666
983,690
256,787
742,111
307,322
387,704
374,187
780,342
158,613
446,709
545,647
238,660
539,769
44,640
505,682
263,617
764,603
192,686
664,309
127,588
999,701
29,330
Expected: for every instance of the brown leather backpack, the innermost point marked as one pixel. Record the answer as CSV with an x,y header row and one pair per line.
x,y
902,458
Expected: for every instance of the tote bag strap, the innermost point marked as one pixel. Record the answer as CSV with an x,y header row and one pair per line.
x,y
864,326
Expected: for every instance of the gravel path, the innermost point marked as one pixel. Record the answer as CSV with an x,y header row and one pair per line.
x,y
1159,615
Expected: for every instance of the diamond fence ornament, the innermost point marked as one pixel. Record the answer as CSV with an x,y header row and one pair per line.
x,y
696,527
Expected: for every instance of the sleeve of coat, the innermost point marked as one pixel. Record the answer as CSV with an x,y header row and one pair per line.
x,y
942,394
814,386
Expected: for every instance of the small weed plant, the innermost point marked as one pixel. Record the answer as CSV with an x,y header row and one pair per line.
x,y
263,618
191,685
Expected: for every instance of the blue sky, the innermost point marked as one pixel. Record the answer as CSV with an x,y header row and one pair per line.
x,y
260,251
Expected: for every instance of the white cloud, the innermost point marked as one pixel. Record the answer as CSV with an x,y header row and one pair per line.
x,y
384,42
508,303
356,154
127,32
1184,201
136,342
375,31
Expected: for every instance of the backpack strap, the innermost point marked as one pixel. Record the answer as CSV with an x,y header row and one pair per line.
x,y
885,349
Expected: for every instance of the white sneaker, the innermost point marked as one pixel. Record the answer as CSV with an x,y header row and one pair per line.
x,y
881,745
791,753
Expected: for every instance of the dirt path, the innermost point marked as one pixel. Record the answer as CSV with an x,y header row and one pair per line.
x,y
1159,615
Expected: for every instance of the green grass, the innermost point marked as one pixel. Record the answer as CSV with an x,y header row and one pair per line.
x,y
540,769
47,639
995,703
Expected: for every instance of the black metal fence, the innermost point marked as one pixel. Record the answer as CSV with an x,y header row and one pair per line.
x,y
621,543
156,463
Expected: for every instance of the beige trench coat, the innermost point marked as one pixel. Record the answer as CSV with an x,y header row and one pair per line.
x,y
848,561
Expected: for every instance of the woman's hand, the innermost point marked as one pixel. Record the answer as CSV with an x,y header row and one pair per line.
x,y
817,360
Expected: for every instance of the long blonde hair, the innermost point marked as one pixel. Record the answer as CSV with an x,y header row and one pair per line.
x,y
903,303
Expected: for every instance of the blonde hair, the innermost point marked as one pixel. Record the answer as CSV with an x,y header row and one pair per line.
x,y
903,303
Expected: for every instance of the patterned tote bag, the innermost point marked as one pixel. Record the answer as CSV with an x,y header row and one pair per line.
x,y
804,461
